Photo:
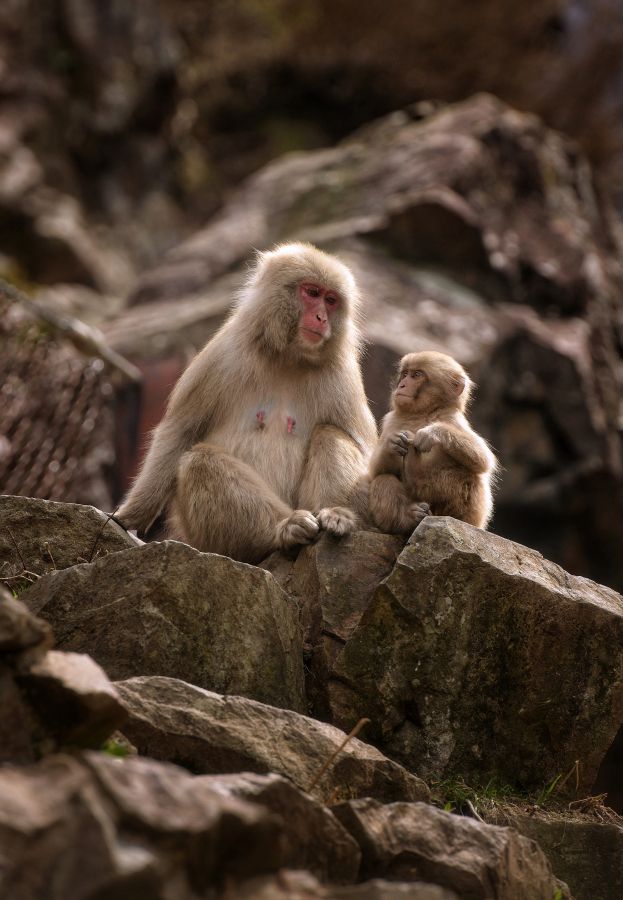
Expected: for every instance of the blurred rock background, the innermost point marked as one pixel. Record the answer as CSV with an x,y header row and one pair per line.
x,y
486,224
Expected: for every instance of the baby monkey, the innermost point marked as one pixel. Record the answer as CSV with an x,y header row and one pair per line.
x,y
429,459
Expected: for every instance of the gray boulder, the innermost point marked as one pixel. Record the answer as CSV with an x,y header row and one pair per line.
x,y
166,609
478,657
333,581
314,839
296,885
404,841
94,826
210,734
49,699
73,699
39,536
585,849
21,633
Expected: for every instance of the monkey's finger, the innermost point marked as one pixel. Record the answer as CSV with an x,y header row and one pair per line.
x,y
301,536
399,446
299,528
305,519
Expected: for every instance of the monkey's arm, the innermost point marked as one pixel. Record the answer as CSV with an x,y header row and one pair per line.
x,y
333,467
185,419
388,453
154,485
465,447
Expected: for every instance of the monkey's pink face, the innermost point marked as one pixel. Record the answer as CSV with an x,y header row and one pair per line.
x,y
318,305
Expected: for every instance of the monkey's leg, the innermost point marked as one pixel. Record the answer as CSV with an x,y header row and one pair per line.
x,y
391,509
333,469
223,506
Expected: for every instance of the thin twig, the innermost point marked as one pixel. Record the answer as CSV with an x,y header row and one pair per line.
x,y
46,547
474,811
19,552
351,734
26,574
101,532
574,768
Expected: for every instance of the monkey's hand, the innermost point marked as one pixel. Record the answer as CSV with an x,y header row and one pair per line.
x,y
337,520
300,527
400,442
426,438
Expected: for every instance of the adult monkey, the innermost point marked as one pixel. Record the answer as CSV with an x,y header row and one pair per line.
x,y
268,431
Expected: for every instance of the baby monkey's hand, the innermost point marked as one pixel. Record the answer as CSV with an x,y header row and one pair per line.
x,y
400,442
425,438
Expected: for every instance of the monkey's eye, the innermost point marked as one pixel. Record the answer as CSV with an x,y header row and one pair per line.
x,y
311,290
330,300
418,373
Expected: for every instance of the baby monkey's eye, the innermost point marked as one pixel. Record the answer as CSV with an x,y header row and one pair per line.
x,y
417,373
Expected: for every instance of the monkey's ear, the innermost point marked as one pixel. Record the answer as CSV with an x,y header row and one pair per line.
x,y
459,384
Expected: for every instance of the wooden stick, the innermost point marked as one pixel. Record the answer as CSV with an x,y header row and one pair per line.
x,y
351,734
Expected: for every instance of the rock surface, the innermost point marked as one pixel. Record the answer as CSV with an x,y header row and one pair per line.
x,y
194,98
210,734
402,841
49,699
585,854
20,631
41,536
166,609
332,582
93,826
288,885
478,657
74,699
314,839
460,609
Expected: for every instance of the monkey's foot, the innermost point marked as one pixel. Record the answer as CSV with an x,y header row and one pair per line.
x,y
416,512
300,527
403,518
337,520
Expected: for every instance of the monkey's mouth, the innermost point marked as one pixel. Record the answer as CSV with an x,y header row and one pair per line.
x,y
313,337
403,395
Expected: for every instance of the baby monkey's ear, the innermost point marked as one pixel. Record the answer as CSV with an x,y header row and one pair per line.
x,y
459,384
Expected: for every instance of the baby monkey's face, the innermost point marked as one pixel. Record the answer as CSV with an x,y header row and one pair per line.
x,y
428,379
411,381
